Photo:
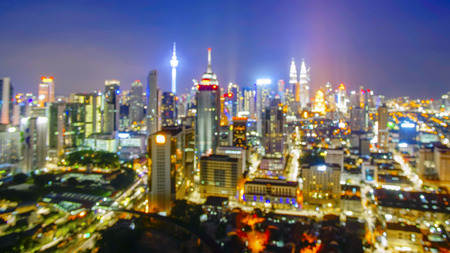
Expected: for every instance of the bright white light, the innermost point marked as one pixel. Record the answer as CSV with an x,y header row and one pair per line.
x,y
41,97
12,129
321,168
403,145
407,125
263,81
341,125
123,135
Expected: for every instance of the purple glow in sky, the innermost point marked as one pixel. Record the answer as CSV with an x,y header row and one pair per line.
x,y
396,48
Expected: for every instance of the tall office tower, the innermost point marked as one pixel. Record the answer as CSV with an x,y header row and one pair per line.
x,y
319,102
262,101
234,95
383,130
10,146
153,103
168,178
408,132
168,109
174,64
219,176
66,126
224,110
304,85
322,184
7,97
281,90
293,78
248,104
46,91
273,132
34,131
208,113
240,132
111,107
357,119
93,111
341,98
136,111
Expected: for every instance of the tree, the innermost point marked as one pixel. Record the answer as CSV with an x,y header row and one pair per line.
x,y
20,178
72,182
42,180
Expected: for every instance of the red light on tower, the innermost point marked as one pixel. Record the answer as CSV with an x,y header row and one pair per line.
x,y
230,95
368,90
362,91
214,87
198,87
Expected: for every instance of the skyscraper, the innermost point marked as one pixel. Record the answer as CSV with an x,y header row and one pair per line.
x,y
168,109
168,177
93,111
207,117
234,95
174,64
273,128
34,131
136,112
153,103
6,102
383,130
111,107
293,78
262,101
46,91
304,85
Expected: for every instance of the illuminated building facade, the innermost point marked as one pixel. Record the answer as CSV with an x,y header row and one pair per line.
x,y
262,101
136,111
408,132
304,85
274,193
208,113
66,126
319,102
10,145
273,131
248,105
321,184
34,131
357,119
168,109
234,97
219,175
93,113
335,156
342,98
46,91
153,103
6,102
167,174
293,78
111,107
240,132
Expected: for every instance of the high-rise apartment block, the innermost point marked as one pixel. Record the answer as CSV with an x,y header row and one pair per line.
x,y
219,175
46,91
321,184
6,102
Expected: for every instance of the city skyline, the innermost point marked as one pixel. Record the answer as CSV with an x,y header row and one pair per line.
x,y
379,46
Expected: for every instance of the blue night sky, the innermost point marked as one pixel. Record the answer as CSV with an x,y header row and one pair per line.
x,y
392,47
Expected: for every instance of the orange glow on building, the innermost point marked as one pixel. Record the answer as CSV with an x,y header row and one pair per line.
x,y
342,86
160,139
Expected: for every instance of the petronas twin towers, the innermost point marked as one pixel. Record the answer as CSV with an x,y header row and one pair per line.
x,y
300,87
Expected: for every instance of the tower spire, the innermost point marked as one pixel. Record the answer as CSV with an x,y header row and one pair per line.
x,y
174,64
209,61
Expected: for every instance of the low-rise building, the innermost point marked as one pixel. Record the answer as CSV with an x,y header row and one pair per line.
x,y
277,193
